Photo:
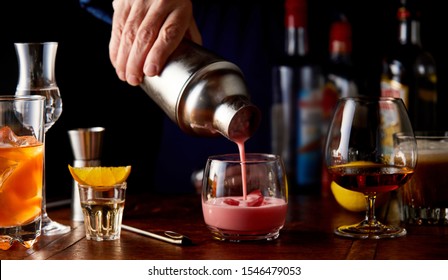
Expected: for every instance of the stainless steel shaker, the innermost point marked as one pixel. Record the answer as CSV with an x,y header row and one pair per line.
x,y
87,147
204,94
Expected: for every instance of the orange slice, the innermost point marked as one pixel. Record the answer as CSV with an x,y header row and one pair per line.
x,y
100,176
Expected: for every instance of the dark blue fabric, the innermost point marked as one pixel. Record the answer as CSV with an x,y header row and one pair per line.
x,y
101,9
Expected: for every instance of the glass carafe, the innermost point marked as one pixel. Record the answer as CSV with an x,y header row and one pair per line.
x,y
36,63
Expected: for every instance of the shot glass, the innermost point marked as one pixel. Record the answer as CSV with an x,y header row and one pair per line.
x,y
21,169
244,200
102,208
425,196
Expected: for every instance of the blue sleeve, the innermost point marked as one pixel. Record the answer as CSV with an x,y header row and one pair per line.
x,y
102,9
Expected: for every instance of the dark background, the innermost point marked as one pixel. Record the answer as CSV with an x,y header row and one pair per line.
x,y
137,132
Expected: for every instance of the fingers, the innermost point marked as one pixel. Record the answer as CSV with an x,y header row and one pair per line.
x,y
145,33
121,13
170,35
123,42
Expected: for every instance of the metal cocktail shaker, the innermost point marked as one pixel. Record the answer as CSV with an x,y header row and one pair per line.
x,y
204,94
87,147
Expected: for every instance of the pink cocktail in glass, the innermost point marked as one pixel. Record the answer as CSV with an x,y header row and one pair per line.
x,y
251,207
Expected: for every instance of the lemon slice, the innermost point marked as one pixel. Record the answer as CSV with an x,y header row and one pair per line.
x,y
350,200
355,201
100,176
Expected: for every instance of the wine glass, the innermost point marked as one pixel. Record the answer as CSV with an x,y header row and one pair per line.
x,y
36,77
370,148
245,199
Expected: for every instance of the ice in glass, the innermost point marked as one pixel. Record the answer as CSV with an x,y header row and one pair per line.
x,y
21,171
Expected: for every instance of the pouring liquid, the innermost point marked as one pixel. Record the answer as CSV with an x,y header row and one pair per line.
x,y
243,166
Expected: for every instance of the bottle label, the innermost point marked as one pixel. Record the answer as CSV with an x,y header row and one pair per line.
x,y
393,88
330,96
427,95
280,133
282,116
309,142
391,123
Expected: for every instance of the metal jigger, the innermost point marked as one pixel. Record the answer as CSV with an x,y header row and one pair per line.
x,y
86,146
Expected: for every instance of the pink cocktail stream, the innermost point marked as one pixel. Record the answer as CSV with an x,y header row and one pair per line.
x,y
242,151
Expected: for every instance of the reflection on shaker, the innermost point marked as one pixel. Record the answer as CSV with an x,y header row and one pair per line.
x,y
87,147
204,94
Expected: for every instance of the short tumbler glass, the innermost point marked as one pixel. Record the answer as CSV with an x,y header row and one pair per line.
x,y
425,196
21,169
244,200
102,208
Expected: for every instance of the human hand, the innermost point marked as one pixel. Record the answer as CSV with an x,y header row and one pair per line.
x,y
145,33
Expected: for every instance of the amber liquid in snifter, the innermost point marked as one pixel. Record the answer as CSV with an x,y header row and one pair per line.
x,y
20,194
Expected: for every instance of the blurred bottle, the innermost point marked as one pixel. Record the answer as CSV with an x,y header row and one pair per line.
x,y
410,72
340,77
296,113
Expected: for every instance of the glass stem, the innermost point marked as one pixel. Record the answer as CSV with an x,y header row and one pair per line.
x,y
370,210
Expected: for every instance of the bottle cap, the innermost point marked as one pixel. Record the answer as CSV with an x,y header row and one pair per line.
x,y
295,13
341,36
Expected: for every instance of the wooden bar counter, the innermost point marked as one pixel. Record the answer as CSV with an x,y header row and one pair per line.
x,y
307,235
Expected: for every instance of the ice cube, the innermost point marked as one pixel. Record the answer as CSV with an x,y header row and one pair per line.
x,y
255,198
7,167
9,139
231,201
